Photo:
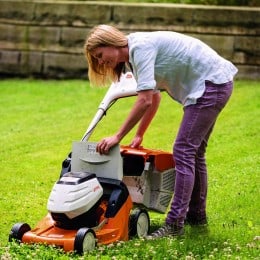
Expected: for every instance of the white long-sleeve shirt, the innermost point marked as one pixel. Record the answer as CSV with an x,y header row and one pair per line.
x,y
177,63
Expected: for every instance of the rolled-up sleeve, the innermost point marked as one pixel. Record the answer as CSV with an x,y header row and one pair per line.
x,y
142,57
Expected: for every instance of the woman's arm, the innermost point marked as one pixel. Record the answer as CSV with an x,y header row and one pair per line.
x,y
142,105
146,120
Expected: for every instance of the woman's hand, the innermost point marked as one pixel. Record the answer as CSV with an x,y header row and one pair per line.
x,y
105,144
136,142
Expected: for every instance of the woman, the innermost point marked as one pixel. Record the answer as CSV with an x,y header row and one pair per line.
x,y
192,74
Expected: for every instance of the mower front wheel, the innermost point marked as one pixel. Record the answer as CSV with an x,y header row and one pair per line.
x,y
139,223
17,232
85,240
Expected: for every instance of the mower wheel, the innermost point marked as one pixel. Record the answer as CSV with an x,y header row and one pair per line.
x,y
85,240
17,231
139,224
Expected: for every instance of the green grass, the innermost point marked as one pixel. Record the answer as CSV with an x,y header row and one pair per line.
x,y
39,121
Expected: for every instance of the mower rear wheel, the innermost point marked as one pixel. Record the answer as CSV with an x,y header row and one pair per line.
x,y
85,240
17,231
139,223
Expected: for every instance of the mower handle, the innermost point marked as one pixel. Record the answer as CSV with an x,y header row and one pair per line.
x,y
125,87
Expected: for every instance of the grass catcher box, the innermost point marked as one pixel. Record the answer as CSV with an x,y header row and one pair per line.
x,y
150,176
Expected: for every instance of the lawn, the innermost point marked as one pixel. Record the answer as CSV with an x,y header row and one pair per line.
x,y
41,118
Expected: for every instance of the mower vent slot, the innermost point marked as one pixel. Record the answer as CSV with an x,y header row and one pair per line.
x,y
168,180
165,200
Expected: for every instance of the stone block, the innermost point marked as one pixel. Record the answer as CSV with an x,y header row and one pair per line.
x,y
246,58
9,61
13,33
151,15
66,65
220,43
73,37
227,16
248,44
248,72
27,37
31,62
19,10
186,15
20,63
72,13
43,36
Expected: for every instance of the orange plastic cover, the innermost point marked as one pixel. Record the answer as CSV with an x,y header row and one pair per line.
x,y
162,160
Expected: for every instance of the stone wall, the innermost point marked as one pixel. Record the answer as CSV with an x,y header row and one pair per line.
x,y
46,38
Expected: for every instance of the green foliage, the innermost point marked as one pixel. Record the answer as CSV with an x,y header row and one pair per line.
x,y
39,121
218,2
201,2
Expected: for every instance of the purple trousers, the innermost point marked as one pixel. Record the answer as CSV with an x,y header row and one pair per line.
x,y
190,190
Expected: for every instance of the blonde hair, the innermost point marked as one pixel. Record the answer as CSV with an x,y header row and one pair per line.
x,y
100,36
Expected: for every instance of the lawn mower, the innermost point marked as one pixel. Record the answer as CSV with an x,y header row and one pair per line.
x,y
101,199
